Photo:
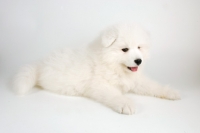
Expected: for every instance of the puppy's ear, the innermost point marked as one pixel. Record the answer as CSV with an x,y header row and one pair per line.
x,y
108,37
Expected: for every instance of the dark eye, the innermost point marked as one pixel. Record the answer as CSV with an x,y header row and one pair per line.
x,y
125,49
139,47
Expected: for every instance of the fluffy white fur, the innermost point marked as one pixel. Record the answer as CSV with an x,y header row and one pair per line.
x,y
100,72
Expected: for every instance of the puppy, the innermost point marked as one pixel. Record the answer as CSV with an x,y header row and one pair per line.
x,y
109,67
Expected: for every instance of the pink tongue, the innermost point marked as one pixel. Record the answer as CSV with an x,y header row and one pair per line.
x,y
134,69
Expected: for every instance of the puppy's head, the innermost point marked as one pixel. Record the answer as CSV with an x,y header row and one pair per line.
x,y
125,46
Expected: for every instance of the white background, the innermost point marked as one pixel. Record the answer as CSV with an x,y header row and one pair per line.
x,y
30,29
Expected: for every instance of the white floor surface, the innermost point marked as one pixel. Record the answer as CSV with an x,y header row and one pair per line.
x,y
44,112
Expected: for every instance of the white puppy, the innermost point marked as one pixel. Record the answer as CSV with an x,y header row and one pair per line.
x,y
109,68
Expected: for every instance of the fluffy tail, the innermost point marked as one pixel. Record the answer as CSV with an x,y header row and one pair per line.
x,y
25,80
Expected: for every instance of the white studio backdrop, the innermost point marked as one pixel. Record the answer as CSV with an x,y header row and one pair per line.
x,y
30,29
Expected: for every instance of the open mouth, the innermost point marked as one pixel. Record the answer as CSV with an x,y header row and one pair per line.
x,y
133,69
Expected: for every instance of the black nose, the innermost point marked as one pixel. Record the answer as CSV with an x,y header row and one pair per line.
x,y
138,61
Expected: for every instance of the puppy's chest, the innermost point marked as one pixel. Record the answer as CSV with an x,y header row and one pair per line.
x,y
125,84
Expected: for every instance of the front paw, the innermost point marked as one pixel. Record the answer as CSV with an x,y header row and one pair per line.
x,y
171,94
123,105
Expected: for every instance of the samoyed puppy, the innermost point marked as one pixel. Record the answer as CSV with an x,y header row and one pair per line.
x,y
109,67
